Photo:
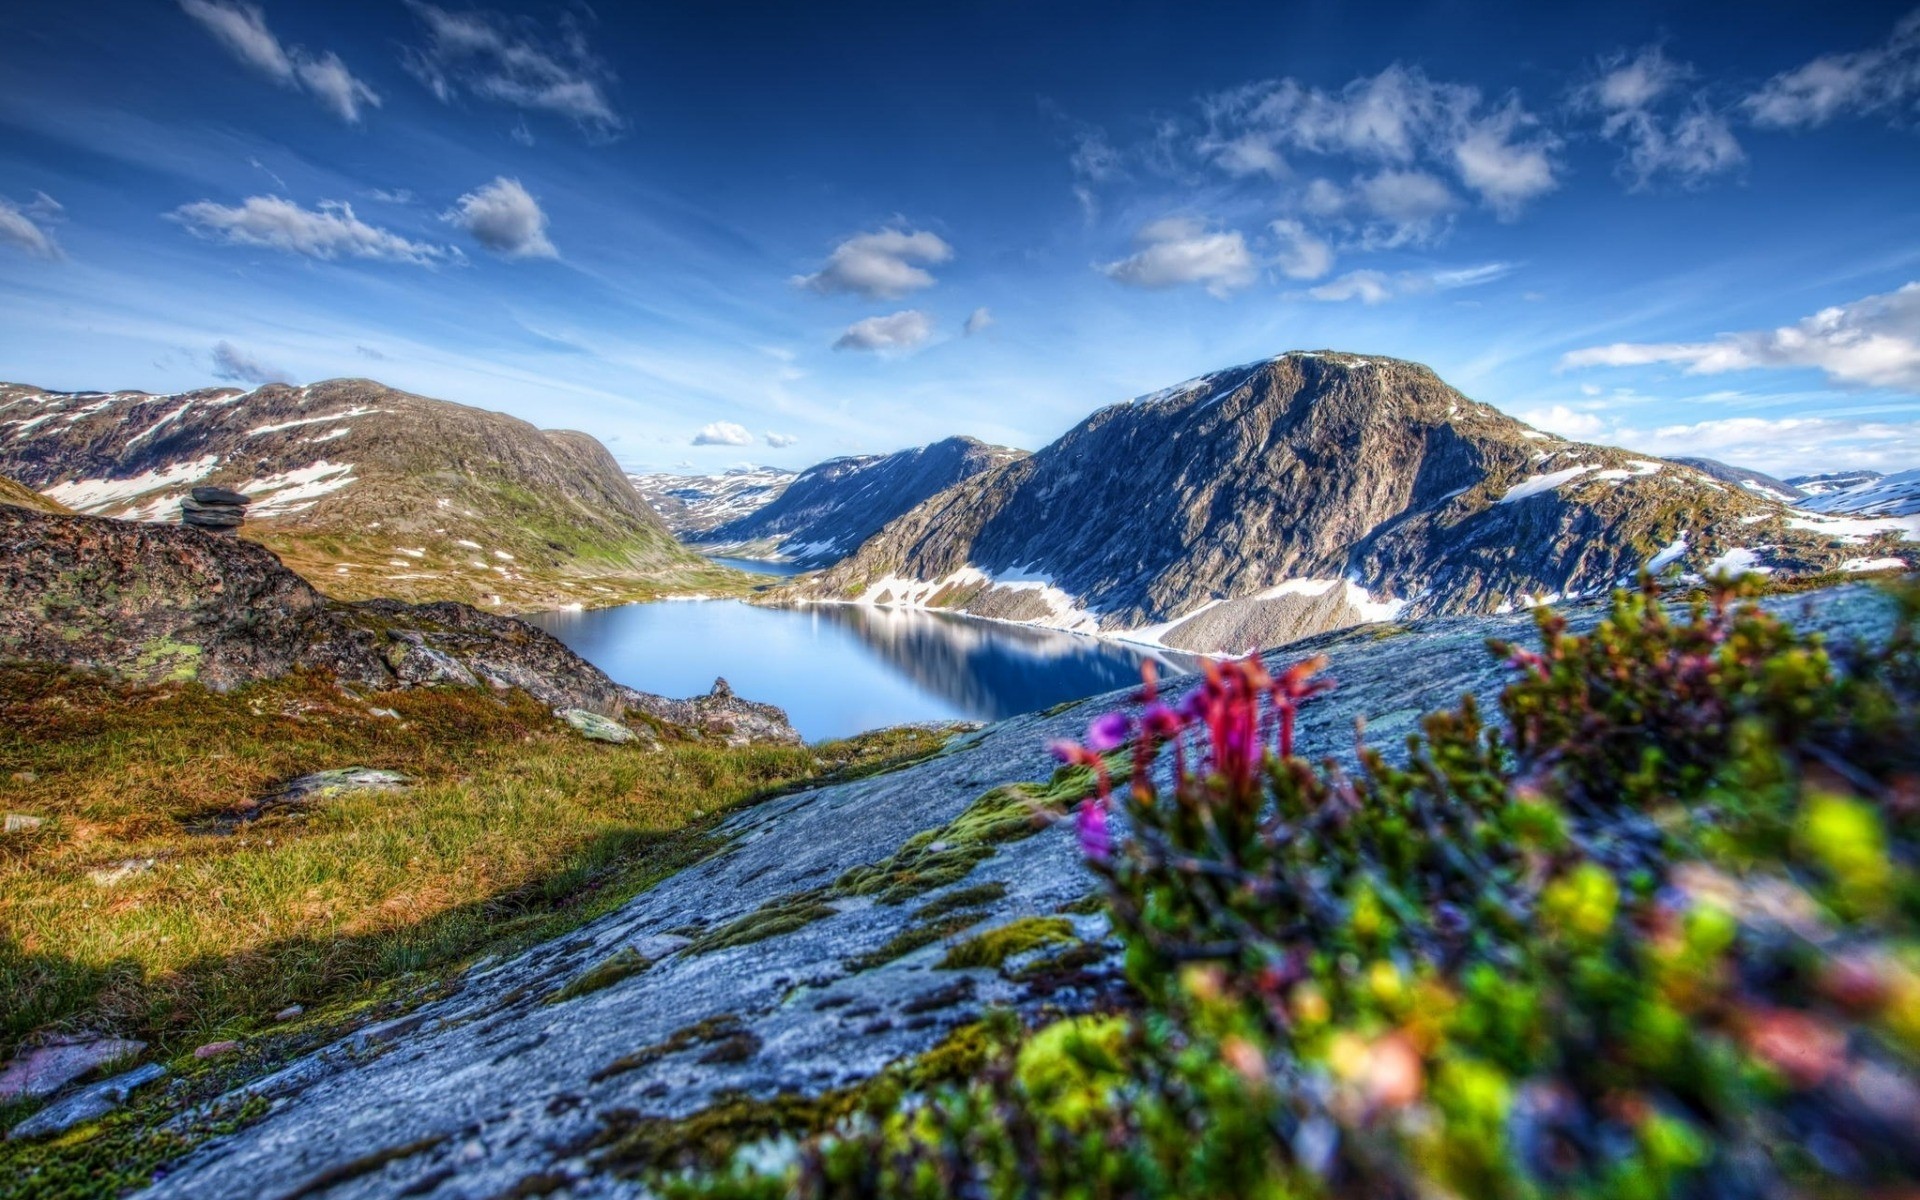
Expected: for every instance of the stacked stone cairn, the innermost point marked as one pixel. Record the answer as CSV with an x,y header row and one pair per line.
x,y
214,509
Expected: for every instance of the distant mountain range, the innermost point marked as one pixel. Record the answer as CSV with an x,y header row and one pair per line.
x,y
1753,481
822,514
1820,485
691,505
1314,490
364,489
1881,495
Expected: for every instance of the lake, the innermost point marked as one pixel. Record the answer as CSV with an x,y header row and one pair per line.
x,y
838,669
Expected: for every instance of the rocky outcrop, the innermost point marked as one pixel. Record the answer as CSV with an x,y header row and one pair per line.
x,y
1311,491
157,603
363,489
526,1073
216,510
828,510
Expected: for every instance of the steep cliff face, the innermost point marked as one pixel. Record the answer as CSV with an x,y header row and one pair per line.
x,y
1311,491
154,603
366,490
828,510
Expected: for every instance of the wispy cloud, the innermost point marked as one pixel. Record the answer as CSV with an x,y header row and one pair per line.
x,y
899,331
238,366
1870,342
978,321
242,30
331,231
1177,251
1878,79
1378,287
780,441
723,433
513,62
1666,129
883,265
25,227
505,218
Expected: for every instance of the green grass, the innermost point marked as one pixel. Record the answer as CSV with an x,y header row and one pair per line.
x,y
515,830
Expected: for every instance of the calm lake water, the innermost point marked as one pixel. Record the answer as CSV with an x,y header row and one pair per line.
x,y
839,669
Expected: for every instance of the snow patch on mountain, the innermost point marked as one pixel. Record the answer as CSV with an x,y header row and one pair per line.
x,y
98,495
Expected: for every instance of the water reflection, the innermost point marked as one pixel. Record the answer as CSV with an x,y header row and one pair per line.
x,y
838,669
756,566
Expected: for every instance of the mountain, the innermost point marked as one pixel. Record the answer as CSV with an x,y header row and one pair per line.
x,y
153,603
1310,491
1883,495
827,510
21,496
1753,481
1820,485
364,489
692,505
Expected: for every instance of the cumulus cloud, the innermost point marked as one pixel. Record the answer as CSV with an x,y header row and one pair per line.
x,y
1301,254
1871,342
900,331
1567,422
1881,78
977,320
723,433
1399,118
1779,446
238,366
513,62
505,218
330,231
883,265
780,441
1175,251
1409,206
1663,129
25,226
1378,287
241,29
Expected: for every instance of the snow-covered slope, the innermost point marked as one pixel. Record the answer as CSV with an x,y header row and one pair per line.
x,y
1832,481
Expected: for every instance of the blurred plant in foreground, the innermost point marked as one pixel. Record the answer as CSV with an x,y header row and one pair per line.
x,y
1653,935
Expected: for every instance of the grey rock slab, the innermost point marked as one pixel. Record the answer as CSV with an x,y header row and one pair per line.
x,y
495,1083
88,1104
593,726
44,1070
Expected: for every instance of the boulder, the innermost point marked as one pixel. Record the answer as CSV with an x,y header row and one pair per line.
x,y
595,727
220,495
44,1070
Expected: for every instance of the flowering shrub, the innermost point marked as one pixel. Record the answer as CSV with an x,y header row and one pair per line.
x,y
1653,936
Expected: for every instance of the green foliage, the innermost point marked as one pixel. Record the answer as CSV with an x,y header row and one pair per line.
x,y
1655,935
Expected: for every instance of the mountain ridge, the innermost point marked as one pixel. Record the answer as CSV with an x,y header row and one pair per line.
x,y
1311,490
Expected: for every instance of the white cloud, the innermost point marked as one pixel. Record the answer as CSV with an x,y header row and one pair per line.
x,y
505,218
1871,342
1377,287
1685,140
1322,198
329,232
883,265
977,320
1781,446
1409,205
238,366
1175,251
1398,118
1301,255
509,62
780,441
900,331
24,226
1877,79
723,433
1565,421
242,29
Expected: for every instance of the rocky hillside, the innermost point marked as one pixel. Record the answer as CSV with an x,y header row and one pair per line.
x,y
1754,481
692,505
150,602
21,496
365,490
1314,490
1888,496
828,510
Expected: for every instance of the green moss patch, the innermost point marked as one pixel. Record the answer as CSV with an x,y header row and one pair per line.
x,y
993,948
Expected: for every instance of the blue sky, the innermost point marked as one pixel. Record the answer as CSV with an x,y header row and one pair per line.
x,y
712,233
